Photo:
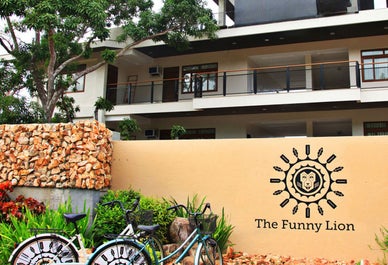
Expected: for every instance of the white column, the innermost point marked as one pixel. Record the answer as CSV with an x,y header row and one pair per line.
x,y
222,13
309,72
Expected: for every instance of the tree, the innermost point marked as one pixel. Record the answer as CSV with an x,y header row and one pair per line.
x,y
47,65
18,110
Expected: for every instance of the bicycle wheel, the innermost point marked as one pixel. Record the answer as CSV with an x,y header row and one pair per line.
x,y
117,252
44,249
208,253
154,248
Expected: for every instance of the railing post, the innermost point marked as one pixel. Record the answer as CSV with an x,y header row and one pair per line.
x,y
224,83
129,93
288,81
176,85
198,86
358,75
255,81
152,92
321,77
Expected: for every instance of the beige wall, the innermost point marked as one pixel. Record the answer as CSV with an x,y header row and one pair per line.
x,y
235,174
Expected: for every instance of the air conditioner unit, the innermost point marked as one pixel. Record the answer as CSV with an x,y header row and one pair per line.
x,y
155,70
150,133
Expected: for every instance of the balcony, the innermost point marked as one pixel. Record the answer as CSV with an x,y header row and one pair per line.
x,y
258,82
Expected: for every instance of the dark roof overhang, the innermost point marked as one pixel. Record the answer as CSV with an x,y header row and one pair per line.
x,y
270,39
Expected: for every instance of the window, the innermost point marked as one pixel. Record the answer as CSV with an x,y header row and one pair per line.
x,y
376,128
207,74
79,86
375,65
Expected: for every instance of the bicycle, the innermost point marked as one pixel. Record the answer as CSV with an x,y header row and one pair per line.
x,y
130,251
51,247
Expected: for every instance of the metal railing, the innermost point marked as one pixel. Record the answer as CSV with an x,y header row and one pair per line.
x,y
274,79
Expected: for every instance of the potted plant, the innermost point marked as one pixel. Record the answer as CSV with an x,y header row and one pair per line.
x,y
177,131
128,127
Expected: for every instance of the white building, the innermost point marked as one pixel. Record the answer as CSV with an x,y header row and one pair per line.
x,y
282,69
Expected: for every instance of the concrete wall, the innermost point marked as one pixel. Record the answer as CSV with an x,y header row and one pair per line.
x,y
261,184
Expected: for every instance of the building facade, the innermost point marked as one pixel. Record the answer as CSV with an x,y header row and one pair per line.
x,y
277,69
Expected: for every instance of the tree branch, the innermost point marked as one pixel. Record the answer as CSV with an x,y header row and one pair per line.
x,y
123,50
12,31
8,50
51,65
72,59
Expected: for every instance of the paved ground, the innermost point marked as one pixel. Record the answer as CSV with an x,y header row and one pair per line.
x,y
239,258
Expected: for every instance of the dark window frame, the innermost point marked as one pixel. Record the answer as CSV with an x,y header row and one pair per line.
x,y
368,59
372,128
208,73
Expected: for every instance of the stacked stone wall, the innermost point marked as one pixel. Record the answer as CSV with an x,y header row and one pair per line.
x,y
56,155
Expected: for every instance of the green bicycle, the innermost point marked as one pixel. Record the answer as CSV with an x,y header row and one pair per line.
x,y
131,251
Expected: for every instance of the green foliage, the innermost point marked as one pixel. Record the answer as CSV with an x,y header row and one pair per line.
x,y
108,55
160,215
128,127
177,131
110,220
223,230
382,242
18,230
66,109
17,110
102,104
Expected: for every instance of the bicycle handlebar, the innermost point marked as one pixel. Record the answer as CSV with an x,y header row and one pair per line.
x,y
175,207
127,212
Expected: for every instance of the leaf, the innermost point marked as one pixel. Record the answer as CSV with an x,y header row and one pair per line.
x,y
295,210
277,192
278,168
337,169
320,151
338,193
320,210
295,152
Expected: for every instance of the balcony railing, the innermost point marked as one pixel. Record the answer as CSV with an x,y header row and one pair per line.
x,y
254,81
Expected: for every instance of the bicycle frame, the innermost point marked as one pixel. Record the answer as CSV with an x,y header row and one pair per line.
x,y
192,239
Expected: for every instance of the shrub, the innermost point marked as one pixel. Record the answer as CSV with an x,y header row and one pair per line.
x,y
160,215
110,220
382,242
15,208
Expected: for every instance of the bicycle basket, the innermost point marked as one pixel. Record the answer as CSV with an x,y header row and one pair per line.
x,y
142,217
206,223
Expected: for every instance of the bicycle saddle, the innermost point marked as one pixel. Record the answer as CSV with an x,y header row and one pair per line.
x,y
73,217
148,228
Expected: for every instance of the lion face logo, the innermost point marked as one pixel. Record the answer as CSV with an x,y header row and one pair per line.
x,y
307,180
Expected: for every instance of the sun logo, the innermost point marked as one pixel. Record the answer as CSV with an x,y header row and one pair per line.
x,y
308,181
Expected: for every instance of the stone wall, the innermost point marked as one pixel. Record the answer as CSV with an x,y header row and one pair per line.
x,y
56,155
